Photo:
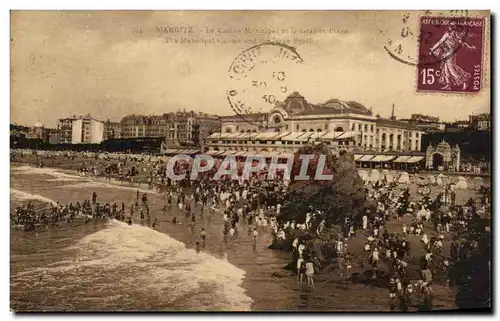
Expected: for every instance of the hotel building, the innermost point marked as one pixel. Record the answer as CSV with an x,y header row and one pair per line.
x,y
80,130
343,126
175,127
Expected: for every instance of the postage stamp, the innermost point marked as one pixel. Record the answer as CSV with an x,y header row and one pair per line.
x,y
260,77
450,55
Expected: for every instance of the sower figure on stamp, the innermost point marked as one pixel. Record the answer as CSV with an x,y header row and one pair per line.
x,y
446,49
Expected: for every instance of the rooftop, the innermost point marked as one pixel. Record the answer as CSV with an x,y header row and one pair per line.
x,y
296,104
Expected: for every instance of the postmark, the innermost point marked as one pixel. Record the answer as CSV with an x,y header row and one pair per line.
x,y
450,58
260,77
402,40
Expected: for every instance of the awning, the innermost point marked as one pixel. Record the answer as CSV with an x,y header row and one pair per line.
x,y
292,136
382,158
388,158
266,136
240,153
331,135
415,159
171,151
228,153
306,136
282,134
212,152
233,135
366,158
402,159
214,135
377,158
190,151
243,136
347,135
357,157
219,153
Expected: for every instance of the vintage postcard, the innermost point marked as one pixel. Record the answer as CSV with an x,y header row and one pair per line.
x,y
335,161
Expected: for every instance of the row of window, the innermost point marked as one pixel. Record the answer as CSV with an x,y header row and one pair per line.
x,y
274,142
341,143
371,128
149,129
319,130
357,127
297,128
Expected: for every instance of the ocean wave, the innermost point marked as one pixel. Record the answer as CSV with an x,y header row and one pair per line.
x,y
20,195
54,172
115,185
135,258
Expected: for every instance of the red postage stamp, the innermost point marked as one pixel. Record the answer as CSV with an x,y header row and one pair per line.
x,y
450,57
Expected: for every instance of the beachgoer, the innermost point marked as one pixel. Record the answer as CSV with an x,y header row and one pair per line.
x,y
392,293
254,236
300,275
203,236
310,273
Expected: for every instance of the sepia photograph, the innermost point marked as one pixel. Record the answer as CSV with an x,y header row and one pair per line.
x,y
250,161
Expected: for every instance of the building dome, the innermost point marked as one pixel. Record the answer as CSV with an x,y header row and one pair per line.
x,y
334,103
38,125
347,106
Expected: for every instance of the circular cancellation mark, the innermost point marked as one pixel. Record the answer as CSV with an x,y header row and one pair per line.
x,y
401,47
261,77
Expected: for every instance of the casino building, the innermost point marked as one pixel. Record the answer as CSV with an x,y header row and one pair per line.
x,y
343,126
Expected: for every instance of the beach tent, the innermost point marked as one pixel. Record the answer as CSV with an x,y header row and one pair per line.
x,y
440,179
404,178
363,174
374,175
477,182
431,179
420,180
461,183
389,177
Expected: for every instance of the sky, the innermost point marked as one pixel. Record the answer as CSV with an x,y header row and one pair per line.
x,y
113,63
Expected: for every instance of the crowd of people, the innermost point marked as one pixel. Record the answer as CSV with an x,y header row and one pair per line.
x,y
395,249
28,217
255,205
